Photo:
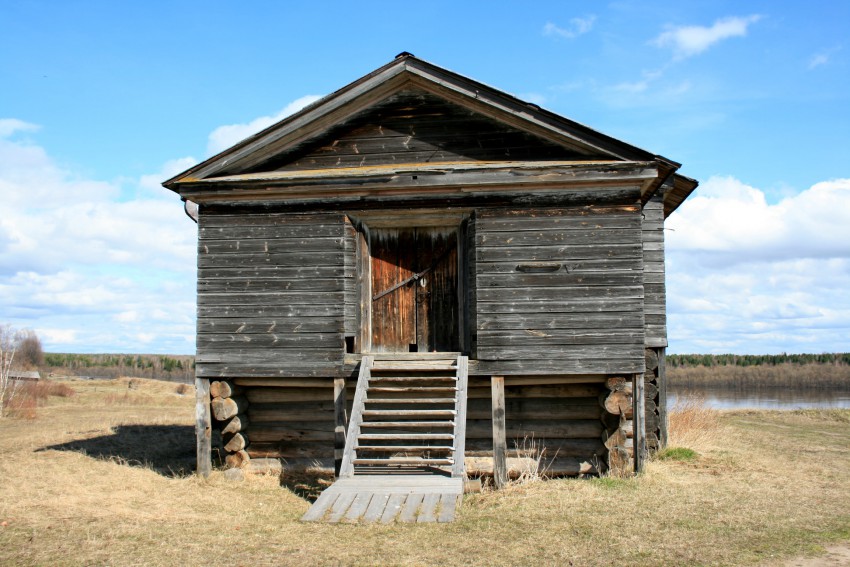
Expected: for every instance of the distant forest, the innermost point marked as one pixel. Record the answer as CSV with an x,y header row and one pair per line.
x,y
179,368
710,360
726,370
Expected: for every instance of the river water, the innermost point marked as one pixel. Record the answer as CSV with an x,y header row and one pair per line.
x,y
775,399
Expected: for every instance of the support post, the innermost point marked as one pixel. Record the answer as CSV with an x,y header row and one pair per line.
x,y
339,423
639,423
500,444
662,398
203,426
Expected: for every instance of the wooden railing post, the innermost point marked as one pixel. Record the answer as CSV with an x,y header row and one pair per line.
x,y
339,423
500,444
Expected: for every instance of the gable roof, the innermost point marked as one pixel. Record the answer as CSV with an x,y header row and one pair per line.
x,y
243,163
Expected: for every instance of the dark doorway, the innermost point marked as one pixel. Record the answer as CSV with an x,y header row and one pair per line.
x,y
414,289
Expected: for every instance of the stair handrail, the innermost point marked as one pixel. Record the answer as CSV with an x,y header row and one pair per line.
x,y
458,468
347,468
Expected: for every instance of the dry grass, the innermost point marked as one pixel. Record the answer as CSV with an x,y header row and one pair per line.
x,y
22,399
95,483
691,423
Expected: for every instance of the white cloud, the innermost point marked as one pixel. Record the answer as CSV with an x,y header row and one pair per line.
x,y
822,58
77,261
745,275
577,27
8,127
692,40
225,136
735,222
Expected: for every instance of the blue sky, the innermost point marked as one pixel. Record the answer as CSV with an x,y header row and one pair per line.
x,y
101,101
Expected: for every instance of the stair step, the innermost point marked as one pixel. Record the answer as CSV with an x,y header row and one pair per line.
x,y
403,448
406,424
404,436
412,389
408,379
411,413
407,366
410,400
404,461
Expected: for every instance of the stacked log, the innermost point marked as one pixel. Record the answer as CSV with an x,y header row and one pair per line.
x,y
618,427
230,410
652,400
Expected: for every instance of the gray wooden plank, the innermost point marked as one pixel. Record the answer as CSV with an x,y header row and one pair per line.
x,y
321,505
500,469
340,506
411,508
448,507
203,427
359,506
376,508
428,509
393,508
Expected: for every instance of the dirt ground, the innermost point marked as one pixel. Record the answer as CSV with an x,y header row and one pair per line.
x,y
835,555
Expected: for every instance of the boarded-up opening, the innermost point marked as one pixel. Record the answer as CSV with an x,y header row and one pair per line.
x,y
414,280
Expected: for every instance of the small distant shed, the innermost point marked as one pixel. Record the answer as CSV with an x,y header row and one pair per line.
x,y
422,271
25,375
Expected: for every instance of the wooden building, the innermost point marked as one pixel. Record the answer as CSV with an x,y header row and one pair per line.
x,y
451,277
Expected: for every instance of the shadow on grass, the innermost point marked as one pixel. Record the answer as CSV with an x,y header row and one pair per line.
x,y
307,484
166,449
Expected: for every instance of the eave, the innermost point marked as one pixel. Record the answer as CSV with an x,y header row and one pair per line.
x,y
423,180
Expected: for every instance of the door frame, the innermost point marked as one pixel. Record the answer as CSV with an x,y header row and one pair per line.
x,y
365,221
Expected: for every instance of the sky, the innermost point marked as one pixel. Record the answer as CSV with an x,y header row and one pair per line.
x,y
101,101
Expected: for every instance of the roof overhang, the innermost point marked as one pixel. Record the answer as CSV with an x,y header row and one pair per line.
x,y
433,180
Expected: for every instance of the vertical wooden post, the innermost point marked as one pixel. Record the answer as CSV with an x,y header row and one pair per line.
x,y
363,339
339,423
662,398
500,443
203,426
639,422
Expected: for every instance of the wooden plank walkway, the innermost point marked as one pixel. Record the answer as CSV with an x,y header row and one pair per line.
x,y
388,498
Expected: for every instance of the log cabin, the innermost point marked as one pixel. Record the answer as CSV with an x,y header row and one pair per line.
x,y
419,272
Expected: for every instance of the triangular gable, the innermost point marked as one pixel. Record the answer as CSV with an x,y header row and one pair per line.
x,y
414,126
305,140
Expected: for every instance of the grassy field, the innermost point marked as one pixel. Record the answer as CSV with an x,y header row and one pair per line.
x,y
101,477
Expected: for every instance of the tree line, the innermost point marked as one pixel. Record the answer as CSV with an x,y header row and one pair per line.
x,y
174,367
745,360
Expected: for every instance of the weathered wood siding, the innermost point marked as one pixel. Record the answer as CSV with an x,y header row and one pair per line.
x,y
559,290
655,296
272,294
417,127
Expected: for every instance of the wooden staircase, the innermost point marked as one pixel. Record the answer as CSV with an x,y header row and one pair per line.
x,y
404,449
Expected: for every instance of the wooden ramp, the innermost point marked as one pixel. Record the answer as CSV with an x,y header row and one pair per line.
x,y
388,498
404,448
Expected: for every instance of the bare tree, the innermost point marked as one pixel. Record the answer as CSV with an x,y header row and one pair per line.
x,y
8,345
30,352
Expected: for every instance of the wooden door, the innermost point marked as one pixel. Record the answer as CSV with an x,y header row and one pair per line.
x,y
414,289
